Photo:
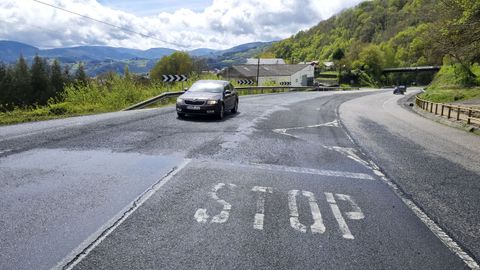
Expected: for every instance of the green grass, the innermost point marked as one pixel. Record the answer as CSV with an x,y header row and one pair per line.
x,y
111,94
448,86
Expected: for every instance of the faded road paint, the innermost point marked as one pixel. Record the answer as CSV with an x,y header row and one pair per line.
x,y
342,225
260,215
201,214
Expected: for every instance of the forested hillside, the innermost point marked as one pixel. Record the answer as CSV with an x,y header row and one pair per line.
x,y
390,33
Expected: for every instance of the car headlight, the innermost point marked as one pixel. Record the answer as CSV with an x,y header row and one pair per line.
x,y
212,102
179,101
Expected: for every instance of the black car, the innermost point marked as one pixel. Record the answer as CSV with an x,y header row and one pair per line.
x,y
208,97
400,90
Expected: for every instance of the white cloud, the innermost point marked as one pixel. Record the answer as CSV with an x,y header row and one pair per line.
x,y
225,23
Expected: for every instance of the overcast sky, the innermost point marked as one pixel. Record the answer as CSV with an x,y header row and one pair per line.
x,y
187,24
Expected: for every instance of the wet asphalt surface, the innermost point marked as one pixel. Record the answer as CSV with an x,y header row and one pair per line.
x,y
277,186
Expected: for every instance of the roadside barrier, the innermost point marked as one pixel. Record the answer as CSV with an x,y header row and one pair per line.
x,y
450,111
251,89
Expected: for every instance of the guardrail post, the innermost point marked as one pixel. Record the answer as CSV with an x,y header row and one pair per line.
x,y
469,120
431,107
436,109
458,113
449,112
442,109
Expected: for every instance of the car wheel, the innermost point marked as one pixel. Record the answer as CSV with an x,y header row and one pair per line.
x,y
180,115
221,113
235,107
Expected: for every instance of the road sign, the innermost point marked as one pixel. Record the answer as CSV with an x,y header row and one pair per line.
x,y
248,82
285,83
174,78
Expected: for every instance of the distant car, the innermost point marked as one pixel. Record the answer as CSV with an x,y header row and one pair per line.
x,y
400,90
208,97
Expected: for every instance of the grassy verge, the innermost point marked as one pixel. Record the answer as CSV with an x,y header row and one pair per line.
x,y
447,86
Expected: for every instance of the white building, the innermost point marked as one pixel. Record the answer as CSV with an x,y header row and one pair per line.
x,y
296,75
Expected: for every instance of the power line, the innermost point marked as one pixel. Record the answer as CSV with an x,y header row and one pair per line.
x,y
109,24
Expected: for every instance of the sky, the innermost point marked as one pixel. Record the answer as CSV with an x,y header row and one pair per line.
x,y
182,25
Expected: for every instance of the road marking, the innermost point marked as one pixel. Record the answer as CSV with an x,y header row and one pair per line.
x,y
357,213
201,214
317,226
434,227
342,225
292,205
272,167
350,153
260,215
82,251
284,131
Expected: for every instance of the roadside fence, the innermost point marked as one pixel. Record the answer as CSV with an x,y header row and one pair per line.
x,y
450,111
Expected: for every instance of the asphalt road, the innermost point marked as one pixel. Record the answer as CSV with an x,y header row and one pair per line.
x,y
280,185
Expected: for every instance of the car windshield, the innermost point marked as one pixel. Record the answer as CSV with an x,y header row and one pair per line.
x,y
206,87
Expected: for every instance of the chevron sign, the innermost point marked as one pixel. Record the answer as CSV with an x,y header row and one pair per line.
x,y
285,83
174,78
249,82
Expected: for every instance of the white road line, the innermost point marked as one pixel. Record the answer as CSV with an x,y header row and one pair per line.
x,y
342,225
271,167
350,153
283,131
434,228
260,215
78,254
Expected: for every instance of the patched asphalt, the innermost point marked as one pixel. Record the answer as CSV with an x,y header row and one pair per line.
x,y
286,143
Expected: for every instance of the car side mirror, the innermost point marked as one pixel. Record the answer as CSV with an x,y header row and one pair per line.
x,y
228,92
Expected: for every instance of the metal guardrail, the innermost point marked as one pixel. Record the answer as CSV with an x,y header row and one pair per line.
x,y
262,89
154,100
459,113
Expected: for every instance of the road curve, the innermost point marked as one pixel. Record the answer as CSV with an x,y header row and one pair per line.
x,y
280,185
436,165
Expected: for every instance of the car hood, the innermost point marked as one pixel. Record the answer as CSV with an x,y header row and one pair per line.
x,y
201,95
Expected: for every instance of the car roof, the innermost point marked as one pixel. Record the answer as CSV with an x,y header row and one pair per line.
x,y
213,81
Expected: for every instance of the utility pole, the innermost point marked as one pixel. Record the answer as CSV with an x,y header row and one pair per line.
x,y
258,69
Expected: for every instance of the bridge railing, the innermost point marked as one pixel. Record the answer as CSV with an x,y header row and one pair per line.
x,y
240,90
456,112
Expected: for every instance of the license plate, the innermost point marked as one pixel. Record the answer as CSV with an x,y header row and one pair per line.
x,y
196,108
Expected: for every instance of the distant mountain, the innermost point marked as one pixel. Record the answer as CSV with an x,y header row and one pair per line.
x,y
100,59
11,50
202,52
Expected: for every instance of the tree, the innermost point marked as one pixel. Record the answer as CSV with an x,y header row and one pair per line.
x,y
22,93
40,81
457,33
80,75
177,63
371,60
338,54
57,80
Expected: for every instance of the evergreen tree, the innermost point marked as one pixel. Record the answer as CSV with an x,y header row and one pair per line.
x,y
40,81
56,79
80,75
22,93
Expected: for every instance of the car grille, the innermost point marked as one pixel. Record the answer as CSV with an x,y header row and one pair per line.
x,y
194,102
